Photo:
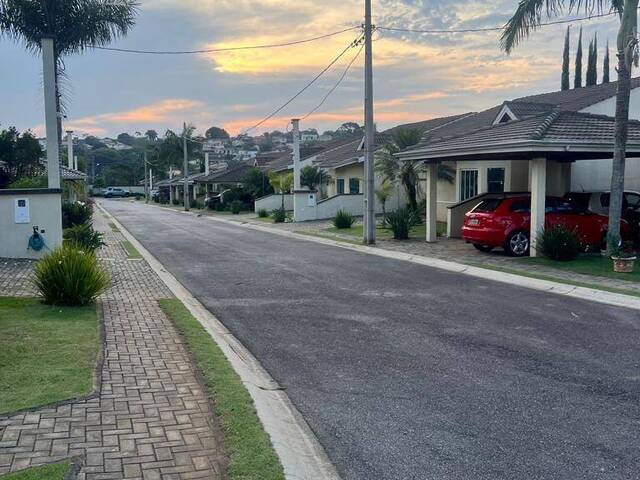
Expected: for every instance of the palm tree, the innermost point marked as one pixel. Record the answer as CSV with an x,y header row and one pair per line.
x,y
383,193
407,171
281,183
528,17
311,176
75,26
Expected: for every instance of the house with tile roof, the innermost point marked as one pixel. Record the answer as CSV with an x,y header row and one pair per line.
x,y
548,144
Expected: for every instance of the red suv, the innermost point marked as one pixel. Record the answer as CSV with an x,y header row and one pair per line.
x,y
505,222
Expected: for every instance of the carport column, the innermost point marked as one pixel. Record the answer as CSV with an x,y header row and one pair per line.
x,y
432,202
206,163
538,172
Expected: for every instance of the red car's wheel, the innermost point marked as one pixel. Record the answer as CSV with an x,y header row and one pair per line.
x,y
517,244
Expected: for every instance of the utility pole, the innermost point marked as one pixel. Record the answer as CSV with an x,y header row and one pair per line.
x,y
50,112
146,184
296,154
70,162
369,230
185,167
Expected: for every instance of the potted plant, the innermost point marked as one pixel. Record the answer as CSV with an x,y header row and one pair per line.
x,y
623,258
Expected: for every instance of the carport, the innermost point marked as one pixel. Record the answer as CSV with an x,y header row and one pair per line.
x,y
550,143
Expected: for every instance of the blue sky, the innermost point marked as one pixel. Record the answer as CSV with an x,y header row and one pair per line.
x,y
416,76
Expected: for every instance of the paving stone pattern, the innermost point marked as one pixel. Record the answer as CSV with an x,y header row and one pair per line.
x,y
151,418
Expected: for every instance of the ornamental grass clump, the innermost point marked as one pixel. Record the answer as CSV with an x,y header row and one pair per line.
x,y
83,236
71,276
343,219
559,243
401,221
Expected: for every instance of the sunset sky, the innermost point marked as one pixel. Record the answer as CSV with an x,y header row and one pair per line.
x,y
416,76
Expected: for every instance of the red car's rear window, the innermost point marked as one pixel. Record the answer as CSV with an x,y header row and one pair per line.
x,y
488,205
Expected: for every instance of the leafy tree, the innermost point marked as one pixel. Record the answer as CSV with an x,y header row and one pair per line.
x,y
528,16
565,82
256,183
312,177
281,183
94,142
151,135
20,156
216,133
349,128
606,68
126,139
577,79
75,26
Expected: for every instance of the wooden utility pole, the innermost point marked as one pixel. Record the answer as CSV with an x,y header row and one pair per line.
x,y
369,230
185,167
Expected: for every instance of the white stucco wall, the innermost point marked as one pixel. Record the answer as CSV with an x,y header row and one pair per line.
x,y
45,211
272,202
596,174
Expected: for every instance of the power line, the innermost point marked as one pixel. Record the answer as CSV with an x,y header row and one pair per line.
x,y
494,29
344,74
228,49
301,91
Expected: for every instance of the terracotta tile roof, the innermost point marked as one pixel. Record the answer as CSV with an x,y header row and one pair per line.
x,y
233,175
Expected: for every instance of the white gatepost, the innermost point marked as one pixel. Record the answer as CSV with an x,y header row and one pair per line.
x,y
150,179
206,163
50,113
432,202
538,175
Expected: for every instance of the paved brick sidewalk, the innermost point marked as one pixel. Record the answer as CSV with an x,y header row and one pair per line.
x,y
151,419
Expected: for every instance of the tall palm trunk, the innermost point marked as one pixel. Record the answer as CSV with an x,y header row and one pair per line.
x,y
626,46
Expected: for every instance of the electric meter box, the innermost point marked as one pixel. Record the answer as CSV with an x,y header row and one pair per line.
x,y
22,210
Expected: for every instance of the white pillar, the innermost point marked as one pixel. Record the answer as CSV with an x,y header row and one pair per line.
x,y
171,195
206,163
432,202
538,172
75,162
150,179
296,154
50,113
70,148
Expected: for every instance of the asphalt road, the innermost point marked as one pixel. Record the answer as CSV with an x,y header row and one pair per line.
x,y
409,372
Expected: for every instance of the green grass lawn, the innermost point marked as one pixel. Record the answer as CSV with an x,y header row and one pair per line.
x,y
264,219
419,231
47,353
56,471
131,250
247,444
589,265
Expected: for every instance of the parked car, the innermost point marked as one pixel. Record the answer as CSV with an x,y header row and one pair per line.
x,y
505,222
155,195
598,202
115,192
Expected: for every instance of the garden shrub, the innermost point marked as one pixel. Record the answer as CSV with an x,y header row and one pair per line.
x,y
236,206
401,221
343,219
279,215
83,236
220,207
559,243
76,213
175,201
70,276
30,182
263,213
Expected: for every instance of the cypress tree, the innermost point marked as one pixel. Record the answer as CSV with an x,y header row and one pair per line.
x,y
594,61
605,73
565,82
577,80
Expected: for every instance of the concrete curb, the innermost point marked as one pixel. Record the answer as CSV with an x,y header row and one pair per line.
x,y
300,453
584,293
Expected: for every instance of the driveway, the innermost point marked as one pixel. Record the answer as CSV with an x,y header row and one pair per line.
x,y
408,372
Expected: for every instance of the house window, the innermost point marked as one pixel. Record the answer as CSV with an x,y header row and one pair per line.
x,y
468,184
340,186
495,180
354,186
